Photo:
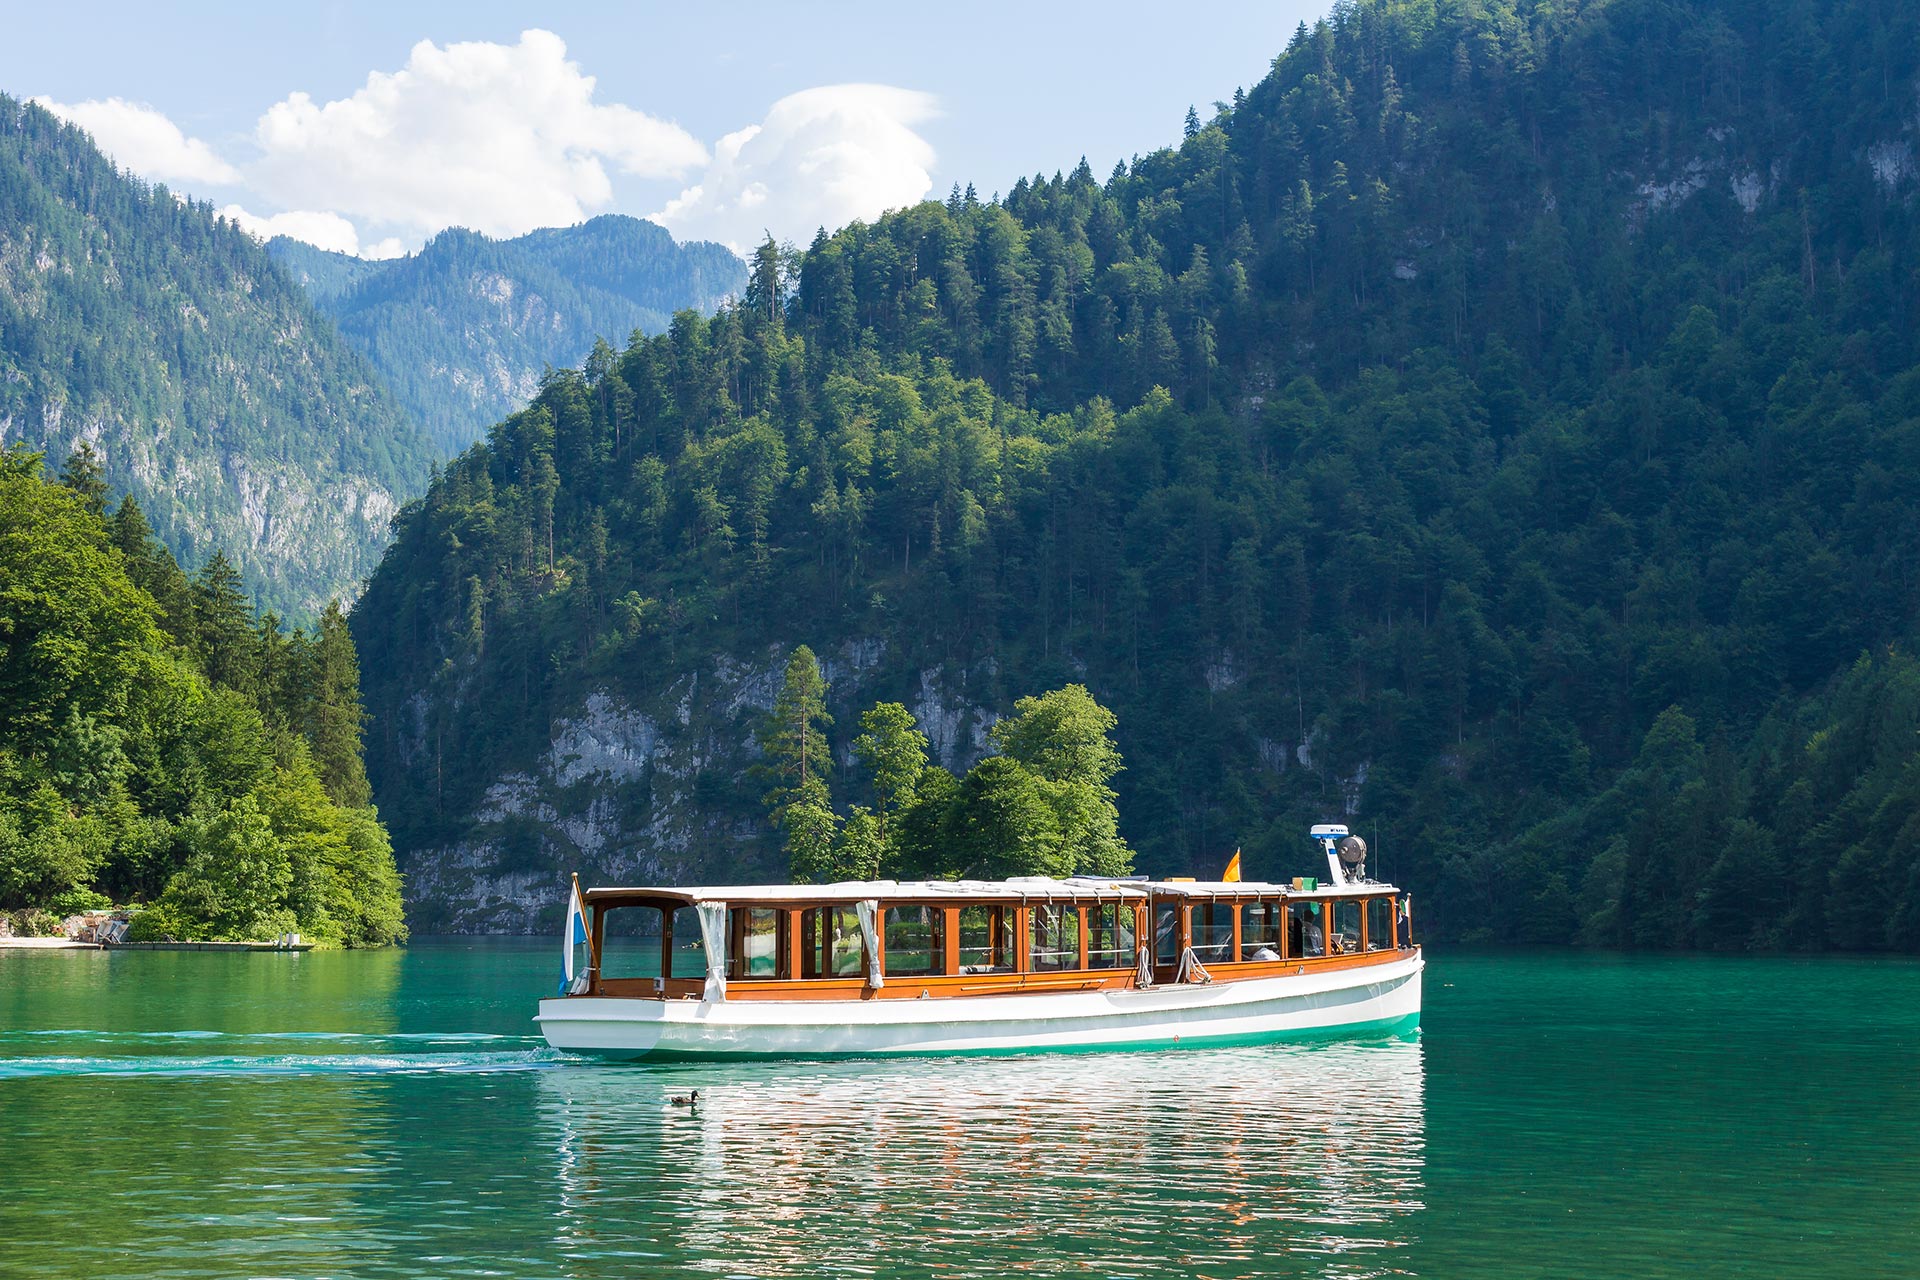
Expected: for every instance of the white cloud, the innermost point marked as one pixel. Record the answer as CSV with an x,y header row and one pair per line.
x,y
500,138
822,157
318,228
506,138
143,140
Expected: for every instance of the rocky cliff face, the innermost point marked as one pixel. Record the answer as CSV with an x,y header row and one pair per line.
x,y
299,535
648,788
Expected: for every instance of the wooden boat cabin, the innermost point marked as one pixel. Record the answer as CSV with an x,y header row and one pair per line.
x,y
937,939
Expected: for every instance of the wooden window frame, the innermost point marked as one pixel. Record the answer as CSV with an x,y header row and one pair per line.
x,y
811,954
1065,910
1002,927
737,942
937,914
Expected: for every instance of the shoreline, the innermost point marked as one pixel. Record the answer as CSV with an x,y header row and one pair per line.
x,y
74,944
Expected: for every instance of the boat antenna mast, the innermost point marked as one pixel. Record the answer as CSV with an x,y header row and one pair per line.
x,y
1346,853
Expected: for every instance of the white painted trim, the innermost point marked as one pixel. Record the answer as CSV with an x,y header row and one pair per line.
x,y
1187,1013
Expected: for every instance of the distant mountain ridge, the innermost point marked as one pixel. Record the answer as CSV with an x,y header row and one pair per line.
x,y
464,329
218,397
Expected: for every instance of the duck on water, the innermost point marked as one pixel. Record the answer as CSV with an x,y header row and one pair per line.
x,y
1029,964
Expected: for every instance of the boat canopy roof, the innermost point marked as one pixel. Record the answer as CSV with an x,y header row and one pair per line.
x,y
1016,889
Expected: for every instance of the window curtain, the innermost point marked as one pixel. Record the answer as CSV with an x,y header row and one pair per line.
x,y
1191,970
869,909
713,937
1144,977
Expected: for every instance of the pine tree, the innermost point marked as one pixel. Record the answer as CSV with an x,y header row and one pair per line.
x,y
793,738
86,476
894,753
224,637
766,281
334,715
154,570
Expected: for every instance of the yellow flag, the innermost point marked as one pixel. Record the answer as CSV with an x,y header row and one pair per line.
x,y
1233,867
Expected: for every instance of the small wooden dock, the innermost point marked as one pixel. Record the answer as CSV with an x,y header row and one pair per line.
x,y
209,946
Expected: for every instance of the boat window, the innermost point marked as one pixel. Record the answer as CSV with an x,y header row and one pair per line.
x,y
1213,931
630,942
1166,933
1055,930
689,952
1379,924
1306,929
754,938
916,940
1110,943
831,942
1262,925
1346,925
986,940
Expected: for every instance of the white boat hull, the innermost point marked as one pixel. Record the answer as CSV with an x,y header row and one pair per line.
x,y
1371,998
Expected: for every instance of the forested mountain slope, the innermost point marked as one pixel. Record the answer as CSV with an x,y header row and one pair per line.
x,y
217,396
463,330
1500,425
163,744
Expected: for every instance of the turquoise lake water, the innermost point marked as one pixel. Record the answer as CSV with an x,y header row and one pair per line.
x,y
393,1115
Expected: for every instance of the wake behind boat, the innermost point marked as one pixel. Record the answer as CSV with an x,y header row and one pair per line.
x,y
882,968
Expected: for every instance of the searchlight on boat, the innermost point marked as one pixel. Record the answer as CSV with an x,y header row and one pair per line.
x,y
1346,853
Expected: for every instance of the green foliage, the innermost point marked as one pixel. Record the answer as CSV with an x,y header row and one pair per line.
x,y
1063,740
238,874
75,901
194,753
859,848
200,378
1002,824
1042,808
793,737
162,921
330,716
893,752
814,851
918,836
46,853
1405,443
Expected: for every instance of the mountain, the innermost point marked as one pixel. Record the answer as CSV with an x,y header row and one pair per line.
x,y
165,337
464,330
1498,427
324,275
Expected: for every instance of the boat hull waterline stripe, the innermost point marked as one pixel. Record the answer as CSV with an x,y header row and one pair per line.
x,y
1373,998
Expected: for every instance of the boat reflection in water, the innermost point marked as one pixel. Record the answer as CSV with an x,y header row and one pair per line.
x,y
1270,1160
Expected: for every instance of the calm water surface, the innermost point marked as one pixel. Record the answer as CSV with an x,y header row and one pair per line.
x,y
177,1115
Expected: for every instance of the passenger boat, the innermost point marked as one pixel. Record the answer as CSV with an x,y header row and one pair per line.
x,y
885,968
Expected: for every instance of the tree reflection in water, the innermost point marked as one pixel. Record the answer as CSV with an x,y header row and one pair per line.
x,y
1286,1159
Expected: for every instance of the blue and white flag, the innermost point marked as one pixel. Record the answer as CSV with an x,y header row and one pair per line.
x,y
575,935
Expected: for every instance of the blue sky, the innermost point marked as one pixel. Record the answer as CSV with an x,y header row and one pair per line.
x,y
716,119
